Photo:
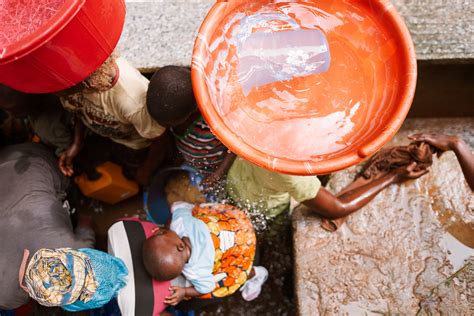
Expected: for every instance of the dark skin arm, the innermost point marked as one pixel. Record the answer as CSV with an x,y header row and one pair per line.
x,y
466,160
224,167
453,143
179,293
157,153
333,207
66,158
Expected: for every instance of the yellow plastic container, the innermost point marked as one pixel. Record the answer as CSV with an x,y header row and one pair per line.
x,y
111,188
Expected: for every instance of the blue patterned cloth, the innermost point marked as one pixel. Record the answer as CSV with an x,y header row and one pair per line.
x,y
110,273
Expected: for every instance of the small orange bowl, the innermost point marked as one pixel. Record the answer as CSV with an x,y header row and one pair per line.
x,y
304,87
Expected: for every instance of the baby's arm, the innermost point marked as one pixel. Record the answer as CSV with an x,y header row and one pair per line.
x,y
179,293
200,286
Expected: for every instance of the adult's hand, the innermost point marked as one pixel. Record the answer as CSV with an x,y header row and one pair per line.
x,y
440,141
458,146
410,172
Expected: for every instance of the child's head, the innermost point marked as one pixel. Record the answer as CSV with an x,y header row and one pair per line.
x,y
164,255
102,79
170,98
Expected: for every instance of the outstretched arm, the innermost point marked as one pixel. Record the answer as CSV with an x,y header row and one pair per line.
x,y
466,160
221,171
66,158
226,163
159,149
454,143
330,206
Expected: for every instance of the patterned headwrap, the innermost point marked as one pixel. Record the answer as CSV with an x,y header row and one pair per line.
x,y
58,277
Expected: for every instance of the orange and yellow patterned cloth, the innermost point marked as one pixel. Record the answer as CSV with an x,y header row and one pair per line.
x,y
234,243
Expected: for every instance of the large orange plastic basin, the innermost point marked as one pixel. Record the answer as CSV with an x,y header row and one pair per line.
x,y
314,122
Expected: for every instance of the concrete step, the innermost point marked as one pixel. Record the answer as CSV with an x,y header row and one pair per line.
x,y
391,254
162,32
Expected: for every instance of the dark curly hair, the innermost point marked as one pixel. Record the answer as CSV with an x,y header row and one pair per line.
x,y
170,96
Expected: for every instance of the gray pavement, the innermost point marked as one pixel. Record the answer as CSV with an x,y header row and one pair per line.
x,y
162,32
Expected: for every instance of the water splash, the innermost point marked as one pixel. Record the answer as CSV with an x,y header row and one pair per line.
x,y
179,188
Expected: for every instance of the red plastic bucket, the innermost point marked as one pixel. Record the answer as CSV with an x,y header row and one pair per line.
x,y
58,51
322,119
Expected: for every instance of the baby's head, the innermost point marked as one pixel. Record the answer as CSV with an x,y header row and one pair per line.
x,y
165,254
170,98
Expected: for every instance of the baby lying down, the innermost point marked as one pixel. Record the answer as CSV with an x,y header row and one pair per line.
x,y
212,246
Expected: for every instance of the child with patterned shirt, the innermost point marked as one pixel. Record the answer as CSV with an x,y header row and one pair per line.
x,y
170,101
111,103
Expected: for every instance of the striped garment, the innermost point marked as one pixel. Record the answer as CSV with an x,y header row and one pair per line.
x,y
142,295
200,148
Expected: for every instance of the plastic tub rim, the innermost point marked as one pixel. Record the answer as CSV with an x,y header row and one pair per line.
x,y
294,167
43,34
